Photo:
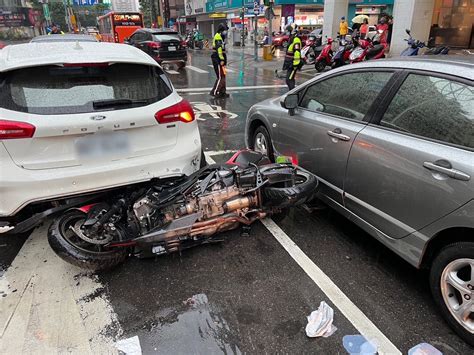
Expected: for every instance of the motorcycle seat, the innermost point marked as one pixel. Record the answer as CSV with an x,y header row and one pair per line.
x,y
375,50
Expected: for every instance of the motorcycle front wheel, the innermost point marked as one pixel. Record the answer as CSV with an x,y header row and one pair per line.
x,y
301,191
74,250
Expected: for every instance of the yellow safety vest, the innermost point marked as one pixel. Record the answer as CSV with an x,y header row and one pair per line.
x,y
294,51
218,45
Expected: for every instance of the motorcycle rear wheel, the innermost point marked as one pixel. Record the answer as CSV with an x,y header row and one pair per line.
x,y
320,65
301,192
76,251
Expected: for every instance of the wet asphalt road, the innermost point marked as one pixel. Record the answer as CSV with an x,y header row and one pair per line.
x,y
247,295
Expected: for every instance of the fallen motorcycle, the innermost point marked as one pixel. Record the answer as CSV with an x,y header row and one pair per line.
x,y
170,215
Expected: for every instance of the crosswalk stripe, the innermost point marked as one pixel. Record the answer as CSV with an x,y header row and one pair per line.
x,y
198,70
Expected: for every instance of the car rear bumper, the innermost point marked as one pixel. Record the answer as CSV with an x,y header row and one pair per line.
x,y
20,187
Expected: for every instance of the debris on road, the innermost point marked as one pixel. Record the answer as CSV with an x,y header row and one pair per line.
x,y
320,322
358,345
424,349
130,346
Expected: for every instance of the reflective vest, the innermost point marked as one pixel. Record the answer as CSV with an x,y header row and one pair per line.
x,y
218,46
293,51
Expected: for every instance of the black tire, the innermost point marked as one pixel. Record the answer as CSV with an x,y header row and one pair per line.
x,y
263,131
320,66
90,260
450,253
283,197
181,65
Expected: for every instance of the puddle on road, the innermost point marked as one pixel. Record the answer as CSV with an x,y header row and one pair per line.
x,y
193,327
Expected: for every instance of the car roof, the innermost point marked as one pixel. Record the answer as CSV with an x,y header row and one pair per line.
x,y
457,65
64,38
158,31
51,53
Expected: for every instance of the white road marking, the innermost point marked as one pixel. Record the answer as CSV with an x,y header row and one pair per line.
x,y
52,307
358,319
170,71
233,88
198,70
203,110
228,70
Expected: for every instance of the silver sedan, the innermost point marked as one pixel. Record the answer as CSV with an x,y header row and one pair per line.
x,y
392,143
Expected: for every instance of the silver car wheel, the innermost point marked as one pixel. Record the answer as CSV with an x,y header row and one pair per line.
x,y
260,144
457,285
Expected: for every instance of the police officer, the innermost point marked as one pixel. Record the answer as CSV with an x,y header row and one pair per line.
x,y
219,61
292,57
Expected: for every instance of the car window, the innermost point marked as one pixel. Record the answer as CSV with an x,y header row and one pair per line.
x,y
434,108
166,37
347,95
62,90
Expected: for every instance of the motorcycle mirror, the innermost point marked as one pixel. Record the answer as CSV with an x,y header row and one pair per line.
x,y
290,102
408,31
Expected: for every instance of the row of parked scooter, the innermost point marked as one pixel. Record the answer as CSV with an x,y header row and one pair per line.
x,y
354,49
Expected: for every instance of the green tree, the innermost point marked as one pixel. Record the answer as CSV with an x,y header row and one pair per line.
x,y
145,9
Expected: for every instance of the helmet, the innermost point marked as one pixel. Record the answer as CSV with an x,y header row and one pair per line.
x,y
222,27
292,30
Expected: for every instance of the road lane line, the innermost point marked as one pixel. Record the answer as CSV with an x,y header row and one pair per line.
x,y
353,314
233,88
360,321
198,70
53,307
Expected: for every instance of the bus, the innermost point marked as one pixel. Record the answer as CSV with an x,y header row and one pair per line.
x,y
116,26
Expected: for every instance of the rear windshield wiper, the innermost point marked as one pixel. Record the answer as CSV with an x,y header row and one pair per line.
x,y
117,102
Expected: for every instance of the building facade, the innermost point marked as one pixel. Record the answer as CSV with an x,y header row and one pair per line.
x,y
125,5
448,22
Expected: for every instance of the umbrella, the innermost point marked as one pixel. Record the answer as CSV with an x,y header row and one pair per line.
x,y
360,18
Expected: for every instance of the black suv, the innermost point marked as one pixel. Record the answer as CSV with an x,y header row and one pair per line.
x,y
163,46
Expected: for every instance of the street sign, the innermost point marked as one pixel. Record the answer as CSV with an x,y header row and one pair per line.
x,y
256,8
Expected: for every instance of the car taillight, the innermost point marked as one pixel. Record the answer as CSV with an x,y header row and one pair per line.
x,y
154,45
16,130
183,43
182,111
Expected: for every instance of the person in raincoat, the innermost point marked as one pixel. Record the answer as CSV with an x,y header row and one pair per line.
x,y
293,60
219,61
343,27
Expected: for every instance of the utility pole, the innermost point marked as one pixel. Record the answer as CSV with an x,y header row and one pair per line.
x,y
270,18
242,32
256,10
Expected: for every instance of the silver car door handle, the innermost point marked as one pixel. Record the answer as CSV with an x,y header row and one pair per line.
x,y
339,136
453,173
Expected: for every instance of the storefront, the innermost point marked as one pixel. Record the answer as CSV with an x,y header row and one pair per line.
x,y
453,23
308,14
19,22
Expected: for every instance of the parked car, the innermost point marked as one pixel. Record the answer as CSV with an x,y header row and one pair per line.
x,y
163,46
392,143
281,39
64,38
106,116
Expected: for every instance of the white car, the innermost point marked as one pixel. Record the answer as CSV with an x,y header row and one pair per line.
x,y
81,117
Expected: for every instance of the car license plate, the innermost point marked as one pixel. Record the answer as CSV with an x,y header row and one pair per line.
x,y
171,48
103,145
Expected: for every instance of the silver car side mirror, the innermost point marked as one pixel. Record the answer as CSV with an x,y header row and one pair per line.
x,y
290,102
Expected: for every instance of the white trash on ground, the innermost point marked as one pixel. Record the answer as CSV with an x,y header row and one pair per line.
x,y
424,349
358,345
130,346
320,322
